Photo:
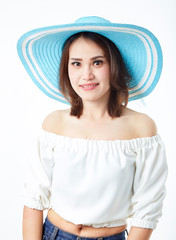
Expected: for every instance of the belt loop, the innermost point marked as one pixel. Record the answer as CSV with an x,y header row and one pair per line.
x,y
53,236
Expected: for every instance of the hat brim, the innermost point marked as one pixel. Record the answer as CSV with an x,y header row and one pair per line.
x,y
40,51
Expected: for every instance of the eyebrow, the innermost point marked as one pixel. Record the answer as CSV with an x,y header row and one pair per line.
x,y
93,58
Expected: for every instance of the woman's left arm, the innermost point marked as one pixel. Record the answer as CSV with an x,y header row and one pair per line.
x,y
137,233
148,184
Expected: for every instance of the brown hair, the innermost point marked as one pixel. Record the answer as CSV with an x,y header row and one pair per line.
x,y
119,77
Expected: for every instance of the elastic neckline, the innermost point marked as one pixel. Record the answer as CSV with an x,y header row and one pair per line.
x,y
100,140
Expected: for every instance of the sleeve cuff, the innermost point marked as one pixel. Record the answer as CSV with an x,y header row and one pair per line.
x,y
137,222
35,204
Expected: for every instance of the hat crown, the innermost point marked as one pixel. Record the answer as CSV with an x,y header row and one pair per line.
x,y
92,19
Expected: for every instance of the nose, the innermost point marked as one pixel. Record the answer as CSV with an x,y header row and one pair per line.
x,y
87,73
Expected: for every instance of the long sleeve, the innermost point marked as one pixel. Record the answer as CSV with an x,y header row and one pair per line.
x,y
38,180
149,184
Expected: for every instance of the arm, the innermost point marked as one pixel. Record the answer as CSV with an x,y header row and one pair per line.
x,y
37,187
32,224
149,183
137,233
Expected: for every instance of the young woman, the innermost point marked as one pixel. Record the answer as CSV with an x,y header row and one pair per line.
x,y
97,163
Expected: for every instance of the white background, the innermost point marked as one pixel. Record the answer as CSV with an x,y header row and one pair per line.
x,y
23,106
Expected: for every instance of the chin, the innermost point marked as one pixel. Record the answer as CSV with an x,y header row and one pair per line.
x,y
94,99
94,96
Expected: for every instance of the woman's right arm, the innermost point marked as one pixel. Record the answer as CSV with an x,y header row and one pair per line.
x,y
38,184
32,224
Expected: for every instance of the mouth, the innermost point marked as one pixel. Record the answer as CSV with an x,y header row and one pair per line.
x,y
89,86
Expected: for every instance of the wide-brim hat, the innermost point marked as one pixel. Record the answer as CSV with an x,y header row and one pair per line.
x,y
40,51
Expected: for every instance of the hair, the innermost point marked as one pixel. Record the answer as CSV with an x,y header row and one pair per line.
x,y
119,77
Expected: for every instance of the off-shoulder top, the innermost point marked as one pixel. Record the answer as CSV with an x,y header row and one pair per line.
x,y
99,183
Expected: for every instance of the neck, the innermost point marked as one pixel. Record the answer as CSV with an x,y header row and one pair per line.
x,y
95,111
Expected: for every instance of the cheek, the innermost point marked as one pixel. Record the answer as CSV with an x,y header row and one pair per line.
x,y
107,70
73,75
69,72
105,73
73,78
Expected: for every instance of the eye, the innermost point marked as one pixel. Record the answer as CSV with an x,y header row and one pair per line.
x,y
77,64
98,62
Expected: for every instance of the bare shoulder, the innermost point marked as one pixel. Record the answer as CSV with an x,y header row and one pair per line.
x,y
54,120
143,124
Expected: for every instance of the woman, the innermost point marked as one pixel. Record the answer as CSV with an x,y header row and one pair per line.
x,y
98,163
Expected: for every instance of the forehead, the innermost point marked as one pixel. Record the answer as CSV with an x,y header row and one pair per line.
x,y
84,46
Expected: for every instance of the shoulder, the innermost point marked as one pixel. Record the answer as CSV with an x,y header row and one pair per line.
x,y
143,125
54,120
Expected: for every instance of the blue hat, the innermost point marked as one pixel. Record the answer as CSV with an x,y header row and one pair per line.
x,y
40,51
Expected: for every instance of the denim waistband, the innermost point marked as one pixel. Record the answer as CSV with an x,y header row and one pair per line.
x,y
51,232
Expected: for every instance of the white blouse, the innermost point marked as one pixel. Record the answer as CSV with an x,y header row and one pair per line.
x,y
99,183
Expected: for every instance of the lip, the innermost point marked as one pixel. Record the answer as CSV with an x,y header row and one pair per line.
x,y
89,86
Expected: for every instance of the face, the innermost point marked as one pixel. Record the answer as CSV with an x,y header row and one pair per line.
x,y
88,70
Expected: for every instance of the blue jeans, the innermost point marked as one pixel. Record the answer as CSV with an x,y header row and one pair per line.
x,y
51,232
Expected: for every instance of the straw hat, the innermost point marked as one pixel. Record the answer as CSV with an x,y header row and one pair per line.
x,y
40,51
